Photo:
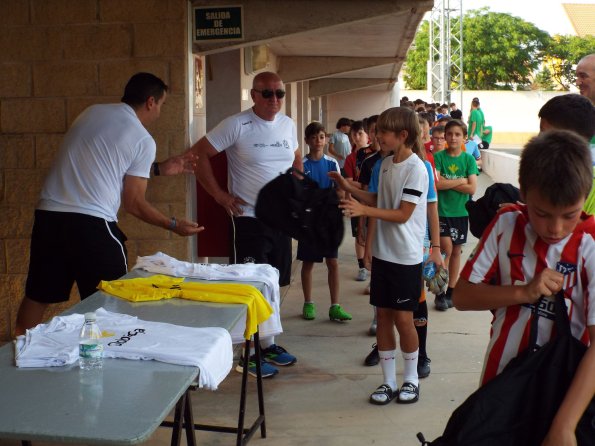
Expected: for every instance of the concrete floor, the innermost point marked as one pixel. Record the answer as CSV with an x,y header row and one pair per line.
x,y
323,398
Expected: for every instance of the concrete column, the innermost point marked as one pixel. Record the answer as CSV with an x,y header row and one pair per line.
x,y
223,81
315,111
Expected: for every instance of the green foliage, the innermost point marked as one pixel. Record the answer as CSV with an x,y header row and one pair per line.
x,y
500,51
563,53
543,80
417,59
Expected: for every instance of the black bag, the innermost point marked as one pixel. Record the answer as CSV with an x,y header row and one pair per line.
x,y
300,209
482,211
517,407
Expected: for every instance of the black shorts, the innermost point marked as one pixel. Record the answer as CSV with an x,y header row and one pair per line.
x,y
68,247
395,286
253,241
354,226
456,228
309,253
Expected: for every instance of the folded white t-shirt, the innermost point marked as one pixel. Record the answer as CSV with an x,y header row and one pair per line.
x,y
57,342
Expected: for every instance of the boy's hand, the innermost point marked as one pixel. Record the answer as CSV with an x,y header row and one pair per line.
x,y
352,208
436,257
339,180
547,283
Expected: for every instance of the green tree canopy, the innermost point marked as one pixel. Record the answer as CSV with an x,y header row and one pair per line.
x,y
562,53
500,51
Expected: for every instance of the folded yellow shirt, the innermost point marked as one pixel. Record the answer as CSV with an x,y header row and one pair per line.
x,y
158,287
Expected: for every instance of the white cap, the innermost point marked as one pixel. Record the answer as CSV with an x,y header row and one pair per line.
x,y
90,316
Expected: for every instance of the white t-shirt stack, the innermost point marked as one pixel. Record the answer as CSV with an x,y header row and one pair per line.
x,y
127,337
258,151
161,263
105,143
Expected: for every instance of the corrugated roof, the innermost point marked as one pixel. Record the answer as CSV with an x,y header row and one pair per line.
x,y
582,17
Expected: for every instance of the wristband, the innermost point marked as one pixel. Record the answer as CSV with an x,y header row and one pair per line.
x,y
435,246
173,223
156,169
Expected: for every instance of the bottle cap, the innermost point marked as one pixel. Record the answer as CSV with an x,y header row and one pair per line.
x,y
90,316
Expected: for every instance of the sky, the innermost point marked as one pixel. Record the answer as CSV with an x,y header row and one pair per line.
x,y
547,15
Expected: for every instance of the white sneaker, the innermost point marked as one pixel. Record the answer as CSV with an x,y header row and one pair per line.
x,y
362,275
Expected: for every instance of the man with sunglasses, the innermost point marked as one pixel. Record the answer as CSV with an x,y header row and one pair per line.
x,y
260,143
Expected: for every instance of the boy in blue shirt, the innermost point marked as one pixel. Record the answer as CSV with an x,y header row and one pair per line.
x,y
317,165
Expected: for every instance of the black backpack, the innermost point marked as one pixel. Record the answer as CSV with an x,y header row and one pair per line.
x,y
300,209
482,211
516,408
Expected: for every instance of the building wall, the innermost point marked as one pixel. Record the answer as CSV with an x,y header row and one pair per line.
x,y
512,114
56,58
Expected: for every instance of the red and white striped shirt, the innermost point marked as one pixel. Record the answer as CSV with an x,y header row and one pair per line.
x,y
511,253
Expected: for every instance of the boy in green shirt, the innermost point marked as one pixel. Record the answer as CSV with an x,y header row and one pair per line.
x,y
457,181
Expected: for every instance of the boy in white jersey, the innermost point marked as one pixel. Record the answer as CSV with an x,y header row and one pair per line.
x,y
534,250
400,210
317,165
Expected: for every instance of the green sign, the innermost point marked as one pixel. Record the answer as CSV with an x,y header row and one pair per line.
x,y
217,23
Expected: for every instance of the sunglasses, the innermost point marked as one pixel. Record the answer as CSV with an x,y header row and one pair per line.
x,y
267,94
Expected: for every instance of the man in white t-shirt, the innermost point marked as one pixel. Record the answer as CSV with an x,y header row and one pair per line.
x,y
260,143
105,159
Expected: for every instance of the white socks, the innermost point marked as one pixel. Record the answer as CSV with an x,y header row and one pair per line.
x,y
410,367
389,367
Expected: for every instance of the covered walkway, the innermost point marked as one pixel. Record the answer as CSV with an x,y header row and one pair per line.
x,y
323,399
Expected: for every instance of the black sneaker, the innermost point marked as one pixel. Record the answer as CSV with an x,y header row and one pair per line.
x,y
373,358
440,302
423,367
448,299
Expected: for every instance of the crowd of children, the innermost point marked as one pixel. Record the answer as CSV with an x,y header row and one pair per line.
x,y
405,185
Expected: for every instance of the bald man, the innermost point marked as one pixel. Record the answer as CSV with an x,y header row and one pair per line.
x,y
585,77
260,143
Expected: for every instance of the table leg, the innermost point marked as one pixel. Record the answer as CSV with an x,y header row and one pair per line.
x,y
240,434
189,421
263,430
178,420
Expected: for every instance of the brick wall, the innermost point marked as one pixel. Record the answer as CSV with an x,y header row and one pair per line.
x,y
56,58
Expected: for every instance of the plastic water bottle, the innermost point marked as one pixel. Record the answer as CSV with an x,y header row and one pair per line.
x,y
429,270
90,345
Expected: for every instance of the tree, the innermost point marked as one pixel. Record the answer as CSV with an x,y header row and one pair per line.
x,y
500,51
417,59
562,53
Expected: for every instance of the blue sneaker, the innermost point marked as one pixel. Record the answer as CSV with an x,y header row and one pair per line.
x,y
278,355
267,370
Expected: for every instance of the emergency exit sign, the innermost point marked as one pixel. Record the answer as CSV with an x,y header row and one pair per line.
x,y
218,23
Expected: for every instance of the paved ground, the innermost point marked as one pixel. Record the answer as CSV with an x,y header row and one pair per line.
x,y
323,399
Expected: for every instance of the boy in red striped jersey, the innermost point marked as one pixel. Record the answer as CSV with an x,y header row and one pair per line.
x,y
534,250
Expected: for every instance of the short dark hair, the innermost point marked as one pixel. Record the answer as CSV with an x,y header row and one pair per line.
x,y
570,112
558,164
343,121
438,128
371,120
314,128
475,102
356,126
456,123
141,87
